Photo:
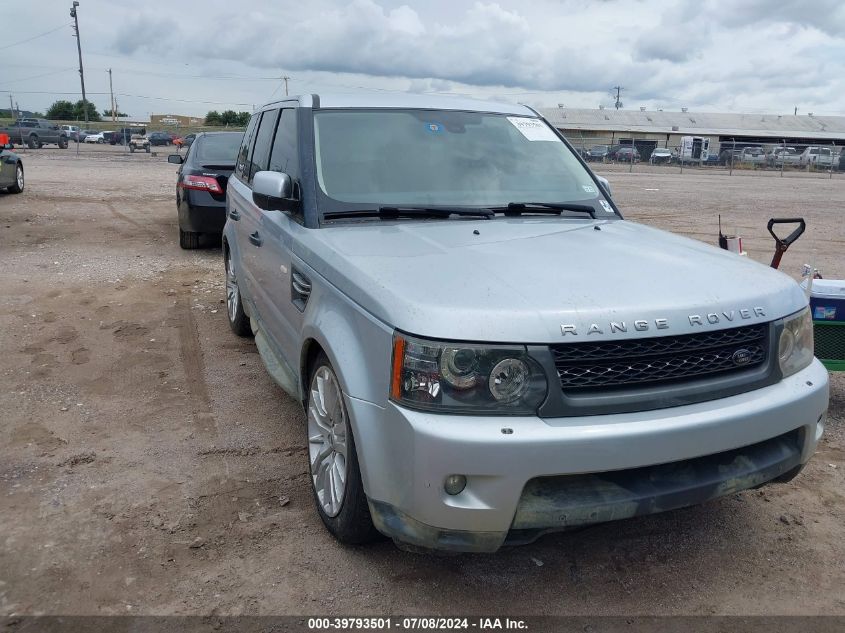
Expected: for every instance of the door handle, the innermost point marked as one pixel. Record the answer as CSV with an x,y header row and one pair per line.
x,y
255,238
235,215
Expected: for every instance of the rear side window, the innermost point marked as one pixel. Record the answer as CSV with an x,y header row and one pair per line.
x,y
243,153
284,157
263,140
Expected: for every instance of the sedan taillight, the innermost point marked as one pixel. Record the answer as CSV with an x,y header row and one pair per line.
x,y
202,183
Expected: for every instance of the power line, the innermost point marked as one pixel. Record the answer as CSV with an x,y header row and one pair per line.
x,y
52,72
34,37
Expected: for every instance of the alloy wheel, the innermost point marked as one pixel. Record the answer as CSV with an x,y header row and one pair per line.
x,y
327,440
233,295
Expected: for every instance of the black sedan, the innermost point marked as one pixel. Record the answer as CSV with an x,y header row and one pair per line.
x,y
11,168
201,184
160,138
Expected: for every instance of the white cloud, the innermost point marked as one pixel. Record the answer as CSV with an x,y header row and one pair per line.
x,y
710,54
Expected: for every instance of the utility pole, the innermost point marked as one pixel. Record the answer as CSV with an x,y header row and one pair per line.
x,y
79,50
618,90
796,111
285,79
111,92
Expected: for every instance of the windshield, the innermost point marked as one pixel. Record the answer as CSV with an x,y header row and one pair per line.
x,y
433,157
218,148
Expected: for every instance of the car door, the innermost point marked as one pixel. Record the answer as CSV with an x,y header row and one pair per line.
x,y
238,196
7,168
250,240
279,272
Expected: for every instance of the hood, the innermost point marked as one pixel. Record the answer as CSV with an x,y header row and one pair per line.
x,y
544,280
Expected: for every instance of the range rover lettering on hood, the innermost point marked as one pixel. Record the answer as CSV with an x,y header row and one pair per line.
x,y
644,325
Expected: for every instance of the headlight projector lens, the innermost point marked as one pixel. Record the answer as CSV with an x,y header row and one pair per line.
x,y
509,379
458,366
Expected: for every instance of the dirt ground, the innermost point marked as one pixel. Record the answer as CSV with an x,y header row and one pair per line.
x,y
149,465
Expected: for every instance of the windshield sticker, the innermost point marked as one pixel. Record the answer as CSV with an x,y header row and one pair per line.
x,y
533,129
433,128
606,206
588,188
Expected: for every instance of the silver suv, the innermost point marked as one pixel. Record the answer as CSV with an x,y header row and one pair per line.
x,y
485,349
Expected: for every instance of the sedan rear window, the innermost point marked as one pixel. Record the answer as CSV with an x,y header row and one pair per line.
x,y
218,148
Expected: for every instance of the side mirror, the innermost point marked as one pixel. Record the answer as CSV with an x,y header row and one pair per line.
x,y
175,159
272,191
604,182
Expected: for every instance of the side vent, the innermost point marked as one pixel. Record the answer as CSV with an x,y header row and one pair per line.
x,y
300,289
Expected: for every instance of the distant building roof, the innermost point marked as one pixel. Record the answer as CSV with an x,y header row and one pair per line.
x,y
697,123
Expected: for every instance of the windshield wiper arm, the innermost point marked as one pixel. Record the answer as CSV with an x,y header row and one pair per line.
x,y
518,208
391,213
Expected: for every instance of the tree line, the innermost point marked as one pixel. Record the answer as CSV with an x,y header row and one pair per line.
x,y
63,110
227,117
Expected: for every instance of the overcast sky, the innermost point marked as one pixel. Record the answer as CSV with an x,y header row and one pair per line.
x,y
188,57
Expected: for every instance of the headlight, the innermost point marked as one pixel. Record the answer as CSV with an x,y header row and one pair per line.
x,y
795,348
465,378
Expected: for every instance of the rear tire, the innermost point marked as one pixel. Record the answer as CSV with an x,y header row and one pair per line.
x,y
32,142
62,142
331,448
189,240
238,320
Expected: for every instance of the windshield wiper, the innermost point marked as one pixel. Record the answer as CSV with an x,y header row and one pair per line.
x,y
392,213
518,208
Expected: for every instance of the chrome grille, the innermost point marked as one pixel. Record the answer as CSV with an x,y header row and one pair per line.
x,y
638,362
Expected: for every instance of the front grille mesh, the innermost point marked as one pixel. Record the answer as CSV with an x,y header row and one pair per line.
x,y
638,362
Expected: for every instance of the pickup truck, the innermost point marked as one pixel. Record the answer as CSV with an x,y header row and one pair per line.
x,y
485,349
783,157
35,133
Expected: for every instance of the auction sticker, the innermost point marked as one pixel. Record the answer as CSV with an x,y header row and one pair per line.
x,y
606,206
533,129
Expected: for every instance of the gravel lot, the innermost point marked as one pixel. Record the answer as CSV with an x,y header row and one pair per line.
x,y
149,465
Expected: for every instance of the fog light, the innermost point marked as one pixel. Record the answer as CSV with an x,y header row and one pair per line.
x,y
455,484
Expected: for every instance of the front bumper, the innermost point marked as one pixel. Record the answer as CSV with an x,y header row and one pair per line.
x,y
528,475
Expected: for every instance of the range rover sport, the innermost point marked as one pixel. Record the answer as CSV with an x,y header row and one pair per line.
x,y
485,349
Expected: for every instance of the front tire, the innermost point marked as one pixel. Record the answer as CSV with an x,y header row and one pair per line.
x,y
19,181
333,462
32,142
238,320
62,142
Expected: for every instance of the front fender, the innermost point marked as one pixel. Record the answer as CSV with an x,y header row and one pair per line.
x,y
358,344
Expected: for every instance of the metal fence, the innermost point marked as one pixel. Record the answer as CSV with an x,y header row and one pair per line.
x,y
633,153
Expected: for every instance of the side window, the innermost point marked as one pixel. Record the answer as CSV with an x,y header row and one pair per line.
x,y
243,153
263,139
284,156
